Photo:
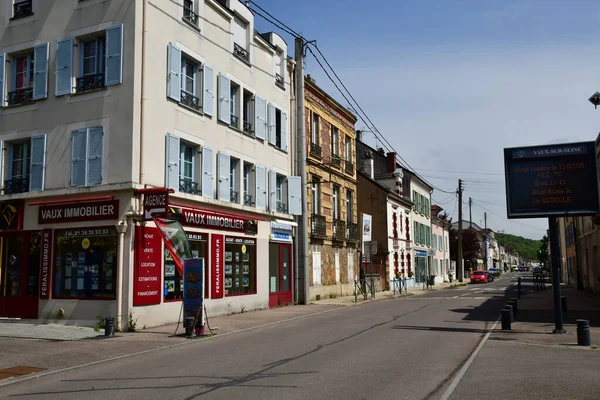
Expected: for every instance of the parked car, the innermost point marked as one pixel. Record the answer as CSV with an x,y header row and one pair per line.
x,y
490,276
495,271
479,277
538,271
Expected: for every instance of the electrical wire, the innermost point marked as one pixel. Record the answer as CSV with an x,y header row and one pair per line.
x,y
460,172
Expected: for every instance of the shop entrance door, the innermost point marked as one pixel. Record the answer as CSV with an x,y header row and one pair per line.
x,y
19,274
280,274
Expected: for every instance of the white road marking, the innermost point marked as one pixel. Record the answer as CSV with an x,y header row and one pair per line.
x,y
466,366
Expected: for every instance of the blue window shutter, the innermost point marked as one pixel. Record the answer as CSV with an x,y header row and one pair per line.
x,y
272,191
224,94
172,164
207,173
95,149
284,131
38,160
64,66
114,55
40,71
208,91
294,195
78,158
260,117
174,78
224,172
2,77
261,187
271,123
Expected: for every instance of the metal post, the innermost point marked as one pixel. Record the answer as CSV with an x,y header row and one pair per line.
x,y
519,286
371,268
302,220
558,315
459,259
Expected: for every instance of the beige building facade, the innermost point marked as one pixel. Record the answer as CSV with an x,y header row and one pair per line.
x,y
103,100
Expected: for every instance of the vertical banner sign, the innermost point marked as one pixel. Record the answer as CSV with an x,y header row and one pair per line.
x,y
174,237
366,230
46,263
193,289
216,273
148,267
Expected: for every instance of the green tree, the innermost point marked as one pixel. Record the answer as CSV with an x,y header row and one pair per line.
x,y
542,254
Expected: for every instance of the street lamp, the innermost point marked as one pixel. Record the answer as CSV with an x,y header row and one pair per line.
x,y
595,99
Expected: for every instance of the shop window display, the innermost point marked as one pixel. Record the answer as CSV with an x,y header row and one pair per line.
x,y
85,263
240,266
173,280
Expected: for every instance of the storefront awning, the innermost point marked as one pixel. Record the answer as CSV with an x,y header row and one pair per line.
x,y
284,222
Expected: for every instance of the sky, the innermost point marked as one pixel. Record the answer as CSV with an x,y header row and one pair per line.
x,y
451,83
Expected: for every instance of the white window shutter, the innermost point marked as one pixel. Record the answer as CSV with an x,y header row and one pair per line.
x,y
2,77
78,158
294,195
224,171
40,71
172,164
272,191
271,123
207,173
261,187
284,131
114,55
174,78
260,117
224,94
208,91
94,156
38,160
64,66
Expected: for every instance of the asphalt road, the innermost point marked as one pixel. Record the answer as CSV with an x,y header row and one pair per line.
x,y
408,348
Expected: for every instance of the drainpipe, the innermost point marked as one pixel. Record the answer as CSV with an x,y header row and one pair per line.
x,y
122,229
143,92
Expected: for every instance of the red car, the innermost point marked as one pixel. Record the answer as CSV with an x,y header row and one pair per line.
x,y
479,276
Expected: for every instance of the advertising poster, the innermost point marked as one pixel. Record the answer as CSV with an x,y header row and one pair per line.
x,y
217,264
193,288
147,273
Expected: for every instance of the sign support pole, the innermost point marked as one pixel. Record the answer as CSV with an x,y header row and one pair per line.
x,y
371,268
558,314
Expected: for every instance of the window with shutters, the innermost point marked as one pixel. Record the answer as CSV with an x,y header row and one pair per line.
x,y
188,163
234,105
249,184
277,123
248,113
234,188
190,82
92,64
24,76
281,193
280,63
87,148
240,39
18,167
191,9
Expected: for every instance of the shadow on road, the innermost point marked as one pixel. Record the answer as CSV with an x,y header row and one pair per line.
x,y
439,329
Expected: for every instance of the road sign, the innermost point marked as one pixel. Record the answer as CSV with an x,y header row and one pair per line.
x,y
371,245
156,202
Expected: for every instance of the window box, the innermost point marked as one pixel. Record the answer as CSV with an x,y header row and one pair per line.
x,y
22,9
318,226
315,150
279,81
241,53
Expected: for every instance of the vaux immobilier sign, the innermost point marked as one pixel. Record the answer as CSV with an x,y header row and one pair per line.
x,y
85,211
214,220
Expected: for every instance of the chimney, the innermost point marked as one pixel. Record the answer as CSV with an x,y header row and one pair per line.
x,y
311,79
368,163
398,185
391,162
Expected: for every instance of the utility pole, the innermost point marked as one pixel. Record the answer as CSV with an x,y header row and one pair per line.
x,y
303,295
486,239
459,258
470,214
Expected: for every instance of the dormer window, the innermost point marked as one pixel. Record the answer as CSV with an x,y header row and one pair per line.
x,y
280,62
240,39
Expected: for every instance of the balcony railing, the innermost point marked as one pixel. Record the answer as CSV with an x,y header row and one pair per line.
x,y
189,15
349,167
190,100
90,82
318,226
16,185
233,196
234,121
248,128
336,160
241,53
315,150
247,199
339,229
281,207
279,81
352,232
20,96
22,9
188,186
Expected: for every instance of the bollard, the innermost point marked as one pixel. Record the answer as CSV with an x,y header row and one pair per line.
x,y
109,326
189,326
512,315
513,304
583,332
506,319
519,286
563,301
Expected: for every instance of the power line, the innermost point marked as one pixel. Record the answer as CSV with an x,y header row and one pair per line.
x,y
446,200
291,31
460,172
